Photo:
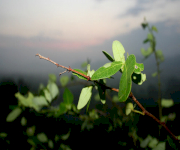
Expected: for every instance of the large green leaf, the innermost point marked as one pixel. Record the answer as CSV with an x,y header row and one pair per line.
x,y
68,96
13,114
53,89
118,51
108,56
107,70
85,96
79,76
125,81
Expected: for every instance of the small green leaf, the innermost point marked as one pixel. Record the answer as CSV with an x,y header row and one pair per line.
x,y
150,37
107,70
64,80
3,134
23,121
30,131
139,67
40,101
118,52
129,108
144,25
160,55
146,53
153,143
108,56
160,146
85,96
146,40
31,142
68,96
145,142
65,136
167,103
97,97
47,95
154,28
42,137
115,99
125,81
25,101
84,64
79,76
154,74
53,89
50,144
13,114
138,78
52,77
172,143
171,116
62,109
102,92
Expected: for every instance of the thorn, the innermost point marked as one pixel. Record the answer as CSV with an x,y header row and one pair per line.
x,y
57,65
69,69
37,54
62,72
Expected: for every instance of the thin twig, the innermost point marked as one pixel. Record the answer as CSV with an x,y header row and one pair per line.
x,y
116,90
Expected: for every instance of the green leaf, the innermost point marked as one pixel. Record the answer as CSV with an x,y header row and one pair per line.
x,y
62,109
84,64
146,40
107,70
153,143
64,80
40,101
13,114
115,99
65,136
160,146
3,134
154,28
145,142
118,52
31,142
97,97
108,56
47,95
125,81
79,76
30,131
101,92
68,96
50,144
171,142
154,74
160,55
129,108
171,116
144,25
138,78
25,101
42,137
52,77
167,103
85,96
53,89
150,37
23,121
139,68
146,53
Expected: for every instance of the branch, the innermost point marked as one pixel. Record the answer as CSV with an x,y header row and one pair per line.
x,y
116,90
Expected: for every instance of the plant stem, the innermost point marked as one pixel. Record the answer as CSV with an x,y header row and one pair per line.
x,y
144,111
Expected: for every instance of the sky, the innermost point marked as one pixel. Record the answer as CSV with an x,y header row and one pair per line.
x,y
69,32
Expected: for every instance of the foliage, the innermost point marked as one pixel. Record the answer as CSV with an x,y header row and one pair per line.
x,y
41,103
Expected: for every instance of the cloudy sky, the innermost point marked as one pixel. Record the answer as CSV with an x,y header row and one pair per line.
x,y
69,31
